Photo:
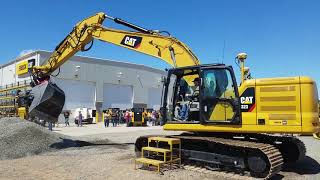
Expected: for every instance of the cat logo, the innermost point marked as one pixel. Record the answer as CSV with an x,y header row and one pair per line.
x,y
246,100
131,41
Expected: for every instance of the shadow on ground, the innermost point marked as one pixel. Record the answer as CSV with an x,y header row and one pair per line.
x,y
307,166
304,167
68,143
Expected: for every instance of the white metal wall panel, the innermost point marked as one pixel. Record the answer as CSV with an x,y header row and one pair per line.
x,y
78,93
154,98
117,96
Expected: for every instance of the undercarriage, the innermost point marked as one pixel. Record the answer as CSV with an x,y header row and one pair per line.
x,y
261,155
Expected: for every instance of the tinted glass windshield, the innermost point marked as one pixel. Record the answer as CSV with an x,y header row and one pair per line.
x,y
218,95
218,83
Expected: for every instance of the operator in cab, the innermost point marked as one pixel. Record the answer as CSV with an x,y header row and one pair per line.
x,y
195,94
185,105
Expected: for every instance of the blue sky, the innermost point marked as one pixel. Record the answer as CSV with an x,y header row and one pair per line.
x,y
281,37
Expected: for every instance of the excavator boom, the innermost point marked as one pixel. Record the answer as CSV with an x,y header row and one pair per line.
x,y
49,99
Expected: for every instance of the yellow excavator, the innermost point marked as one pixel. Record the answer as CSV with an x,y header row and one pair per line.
x,y
249,128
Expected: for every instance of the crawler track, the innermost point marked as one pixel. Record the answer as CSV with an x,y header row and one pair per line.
x,y
291,148
217,172
261,160
268,152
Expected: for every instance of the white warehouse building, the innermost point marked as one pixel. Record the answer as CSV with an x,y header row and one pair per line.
x,y
97,83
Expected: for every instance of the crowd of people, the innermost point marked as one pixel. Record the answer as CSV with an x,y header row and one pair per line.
x,y
117,117
152,117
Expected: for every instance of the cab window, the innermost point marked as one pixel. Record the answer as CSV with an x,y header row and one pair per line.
x,y
217,95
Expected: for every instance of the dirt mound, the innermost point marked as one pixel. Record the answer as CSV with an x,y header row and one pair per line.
x,y
20,138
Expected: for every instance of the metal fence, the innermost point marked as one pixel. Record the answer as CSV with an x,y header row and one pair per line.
x,y
8,95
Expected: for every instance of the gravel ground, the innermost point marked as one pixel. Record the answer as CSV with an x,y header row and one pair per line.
x,y
21,138
114,157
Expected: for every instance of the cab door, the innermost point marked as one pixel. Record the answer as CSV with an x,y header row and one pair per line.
x,y
219,98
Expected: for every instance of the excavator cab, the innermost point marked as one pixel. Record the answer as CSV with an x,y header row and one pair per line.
x,y
205,94
48,101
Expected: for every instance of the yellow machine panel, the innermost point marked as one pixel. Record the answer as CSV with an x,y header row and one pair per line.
x,y
278,101
270,105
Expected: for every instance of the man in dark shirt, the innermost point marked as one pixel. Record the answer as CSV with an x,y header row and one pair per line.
x,y
66,118
80,118
114,118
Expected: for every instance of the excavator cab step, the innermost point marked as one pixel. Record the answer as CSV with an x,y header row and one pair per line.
x,y
48,101
167,156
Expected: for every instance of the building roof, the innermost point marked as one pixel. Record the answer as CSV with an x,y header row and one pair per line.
x,y
92,60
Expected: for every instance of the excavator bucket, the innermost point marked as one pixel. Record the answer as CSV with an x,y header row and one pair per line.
x,y
48,101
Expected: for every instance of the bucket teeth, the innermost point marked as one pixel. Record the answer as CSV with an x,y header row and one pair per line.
x,y
48,101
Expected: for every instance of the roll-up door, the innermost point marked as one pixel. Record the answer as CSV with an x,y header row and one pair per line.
x,y
154,98
117,96
79,94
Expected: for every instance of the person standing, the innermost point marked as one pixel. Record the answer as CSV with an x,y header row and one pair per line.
x,y
149,114
124,117
145,114
107,117
145,117
66,118
127,117
114,116
130,116
157,118
121,114
118,117
80,117
153,118
50,126
104,115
